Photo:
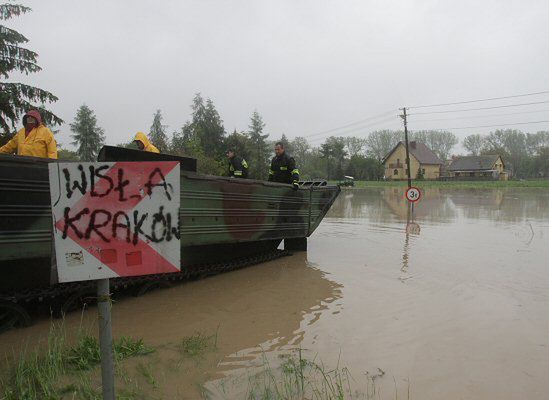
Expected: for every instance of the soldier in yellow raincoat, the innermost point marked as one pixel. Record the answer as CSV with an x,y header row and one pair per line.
x,y
144,144
34,140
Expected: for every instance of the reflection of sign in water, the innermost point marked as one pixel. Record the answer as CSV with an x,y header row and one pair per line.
x,y
413,228
413,194
115,219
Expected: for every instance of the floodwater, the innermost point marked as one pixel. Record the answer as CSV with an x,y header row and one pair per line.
x,y
451,301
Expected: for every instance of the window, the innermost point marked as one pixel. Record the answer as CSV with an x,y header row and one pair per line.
x,y
398,160
423,171
395,172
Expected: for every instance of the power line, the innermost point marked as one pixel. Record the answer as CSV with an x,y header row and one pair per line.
x,y
480,108
479,100
492,126
481,116
352,123
359,129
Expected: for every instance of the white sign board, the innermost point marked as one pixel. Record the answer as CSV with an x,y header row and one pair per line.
x,y
413,194
113,219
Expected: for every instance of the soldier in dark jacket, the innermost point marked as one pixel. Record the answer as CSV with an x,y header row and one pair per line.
x,y
283,168
238,167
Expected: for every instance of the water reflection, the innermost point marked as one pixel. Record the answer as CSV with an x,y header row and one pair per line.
x,y
442,205
412,228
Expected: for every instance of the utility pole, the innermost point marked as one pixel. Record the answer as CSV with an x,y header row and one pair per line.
x,y
403,116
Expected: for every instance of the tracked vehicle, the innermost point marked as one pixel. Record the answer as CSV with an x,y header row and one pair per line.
x,y
224,223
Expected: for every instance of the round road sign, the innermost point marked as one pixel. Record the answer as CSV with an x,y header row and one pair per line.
x,y
413,194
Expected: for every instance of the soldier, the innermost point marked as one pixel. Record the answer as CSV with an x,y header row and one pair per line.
x,y
283,167
144,144
34,140
238,167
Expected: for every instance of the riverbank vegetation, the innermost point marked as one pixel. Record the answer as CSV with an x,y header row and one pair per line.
x,y
69,368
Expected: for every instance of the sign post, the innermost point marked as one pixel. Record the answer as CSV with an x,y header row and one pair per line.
x,y
105,338
114,219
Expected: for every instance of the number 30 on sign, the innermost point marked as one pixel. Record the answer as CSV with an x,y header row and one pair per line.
x,y
413,194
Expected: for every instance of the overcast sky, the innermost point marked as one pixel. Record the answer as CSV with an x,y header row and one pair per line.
x,y
306,66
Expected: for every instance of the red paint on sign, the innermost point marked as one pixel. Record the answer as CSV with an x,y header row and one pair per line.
x,y
413,194
148,261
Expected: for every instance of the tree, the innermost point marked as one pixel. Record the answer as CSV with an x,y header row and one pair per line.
x,y
380,143
440,142
17,98
204,130
511,144
67,155
214,132
300,149
333,151
473,144
260,149
157,133
364,168
355,145
240,143
287,144
88,137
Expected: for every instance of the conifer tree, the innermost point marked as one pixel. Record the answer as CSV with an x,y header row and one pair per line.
x,y
88,137
17,98
260,150
157,133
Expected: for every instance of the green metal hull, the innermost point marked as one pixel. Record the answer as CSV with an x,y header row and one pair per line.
x,y
220,219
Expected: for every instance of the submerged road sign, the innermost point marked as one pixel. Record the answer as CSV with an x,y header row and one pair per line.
x,y
413,194
115,219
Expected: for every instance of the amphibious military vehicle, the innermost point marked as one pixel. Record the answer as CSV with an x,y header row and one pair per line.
x,y
225,223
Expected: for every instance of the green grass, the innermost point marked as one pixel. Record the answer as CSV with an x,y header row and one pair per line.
x,y
55,370
147,372
540,183
298,378
86,354
195,345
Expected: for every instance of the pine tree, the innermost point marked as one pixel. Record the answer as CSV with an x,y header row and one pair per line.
x,y
88,137
260,150
157,133
17,98
205,128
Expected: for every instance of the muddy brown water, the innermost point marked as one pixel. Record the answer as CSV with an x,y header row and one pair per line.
x,y
455,307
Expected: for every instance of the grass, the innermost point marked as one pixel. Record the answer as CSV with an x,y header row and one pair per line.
x,y
57,370
62,371
195,345
298,378
147,372
86,354
540,183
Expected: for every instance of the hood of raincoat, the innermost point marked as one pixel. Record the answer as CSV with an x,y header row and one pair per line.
x,y
35,114
142,138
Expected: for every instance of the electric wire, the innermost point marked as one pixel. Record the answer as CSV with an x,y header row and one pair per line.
x,y
480,116
480,100
374,117
480,108
353,130
490,126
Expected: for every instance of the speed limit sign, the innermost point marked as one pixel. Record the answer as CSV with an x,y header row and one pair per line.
x,y
413,194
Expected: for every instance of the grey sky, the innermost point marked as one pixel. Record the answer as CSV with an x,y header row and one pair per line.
x,y
307,66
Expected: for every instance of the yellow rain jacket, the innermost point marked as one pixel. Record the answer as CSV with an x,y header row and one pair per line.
x,y
145,140
38,143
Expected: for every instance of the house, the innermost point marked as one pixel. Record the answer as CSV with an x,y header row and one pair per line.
x,y
422,161
487,167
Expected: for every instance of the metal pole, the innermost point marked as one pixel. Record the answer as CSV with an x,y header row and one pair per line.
x,y
105,338
407,149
